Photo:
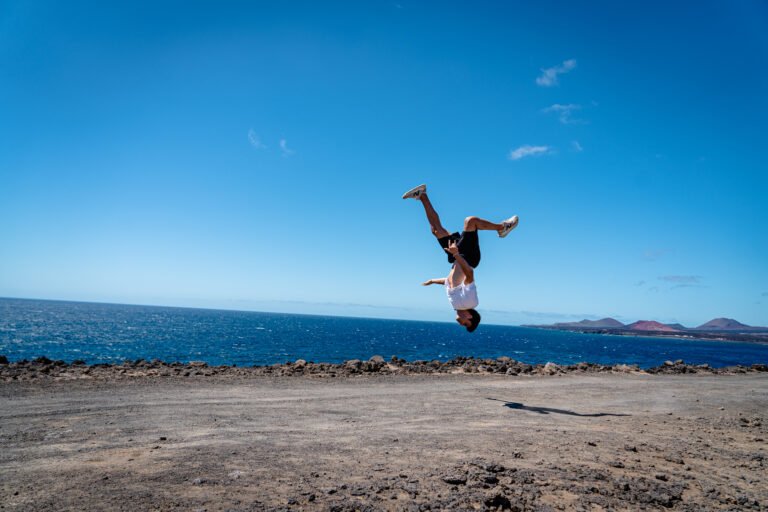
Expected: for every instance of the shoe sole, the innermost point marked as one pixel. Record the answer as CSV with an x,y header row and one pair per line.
x,y
413,192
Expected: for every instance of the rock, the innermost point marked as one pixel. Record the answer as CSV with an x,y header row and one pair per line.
x,y
498,502
199,481
630,448
376,359
198,364
674,457
661,476
300,363
455,479
3,360
551,369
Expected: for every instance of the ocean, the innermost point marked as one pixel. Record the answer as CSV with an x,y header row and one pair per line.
x,y
112,333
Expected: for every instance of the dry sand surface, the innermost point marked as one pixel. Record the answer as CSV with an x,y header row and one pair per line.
x,y
387,442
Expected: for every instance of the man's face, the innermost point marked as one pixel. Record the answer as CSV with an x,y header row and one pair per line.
x,y
463,318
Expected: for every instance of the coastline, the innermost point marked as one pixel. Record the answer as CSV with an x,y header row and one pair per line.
x,y
759,337
45,369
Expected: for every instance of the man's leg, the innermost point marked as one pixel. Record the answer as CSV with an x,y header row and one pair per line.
x,y
434,220
476,223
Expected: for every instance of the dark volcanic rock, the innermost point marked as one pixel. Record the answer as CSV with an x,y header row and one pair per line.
x,y
44,368
455,479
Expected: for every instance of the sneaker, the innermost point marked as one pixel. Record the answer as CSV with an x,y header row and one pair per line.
x,y
415,193
509,225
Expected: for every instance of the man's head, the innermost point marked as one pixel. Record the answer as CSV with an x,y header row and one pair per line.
x,y
469,318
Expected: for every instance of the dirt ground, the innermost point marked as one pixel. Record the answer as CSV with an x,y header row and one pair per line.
x,y
387,442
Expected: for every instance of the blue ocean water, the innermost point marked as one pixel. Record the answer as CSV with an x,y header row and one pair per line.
x,y
112,333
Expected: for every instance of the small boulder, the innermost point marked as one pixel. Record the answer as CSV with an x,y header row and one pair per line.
x,y
455,479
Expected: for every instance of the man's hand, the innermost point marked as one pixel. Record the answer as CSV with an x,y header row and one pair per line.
x,y
452,248
427,283
433,281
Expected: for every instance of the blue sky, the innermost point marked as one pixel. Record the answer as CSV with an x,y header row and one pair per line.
x,y
251,155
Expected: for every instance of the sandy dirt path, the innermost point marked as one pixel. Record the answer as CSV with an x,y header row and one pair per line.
x,y
460,442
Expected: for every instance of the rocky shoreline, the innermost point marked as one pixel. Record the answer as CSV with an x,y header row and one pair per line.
x,y
43,368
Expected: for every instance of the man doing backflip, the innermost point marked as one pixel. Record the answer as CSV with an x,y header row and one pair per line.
x,y
464,255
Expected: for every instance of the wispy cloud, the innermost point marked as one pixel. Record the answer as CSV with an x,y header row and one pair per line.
x,y
523,151
565,113
576,146
640,283
284,148
681,279
654,254
684,281
255,140
765,294
548,77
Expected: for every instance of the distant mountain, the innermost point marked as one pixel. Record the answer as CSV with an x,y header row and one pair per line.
x,y
724,324
677,327
606,323
650,325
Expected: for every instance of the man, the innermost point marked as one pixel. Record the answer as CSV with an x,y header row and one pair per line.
x,y
464,255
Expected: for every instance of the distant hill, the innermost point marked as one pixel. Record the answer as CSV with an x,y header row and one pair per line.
x,y
608,323
724,324
717,329
650,325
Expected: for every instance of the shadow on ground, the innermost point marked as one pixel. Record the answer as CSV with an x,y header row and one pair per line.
x,y
548,410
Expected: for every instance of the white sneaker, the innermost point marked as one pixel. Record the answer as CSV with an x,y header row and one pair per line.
x,y
509,225
415,192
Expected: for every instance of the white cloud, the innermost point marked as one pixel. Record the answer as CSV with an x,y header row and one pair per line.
x,y
548,76
565,113
284,148
254,140
576,146
523,151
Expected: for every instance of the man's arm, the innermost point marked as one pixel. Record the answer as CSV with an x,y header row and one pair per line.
x,y
469,273
434,281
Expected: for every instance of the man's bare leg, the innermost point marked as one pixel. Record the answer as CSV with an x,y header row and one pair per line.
x,y
476,223
434,220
